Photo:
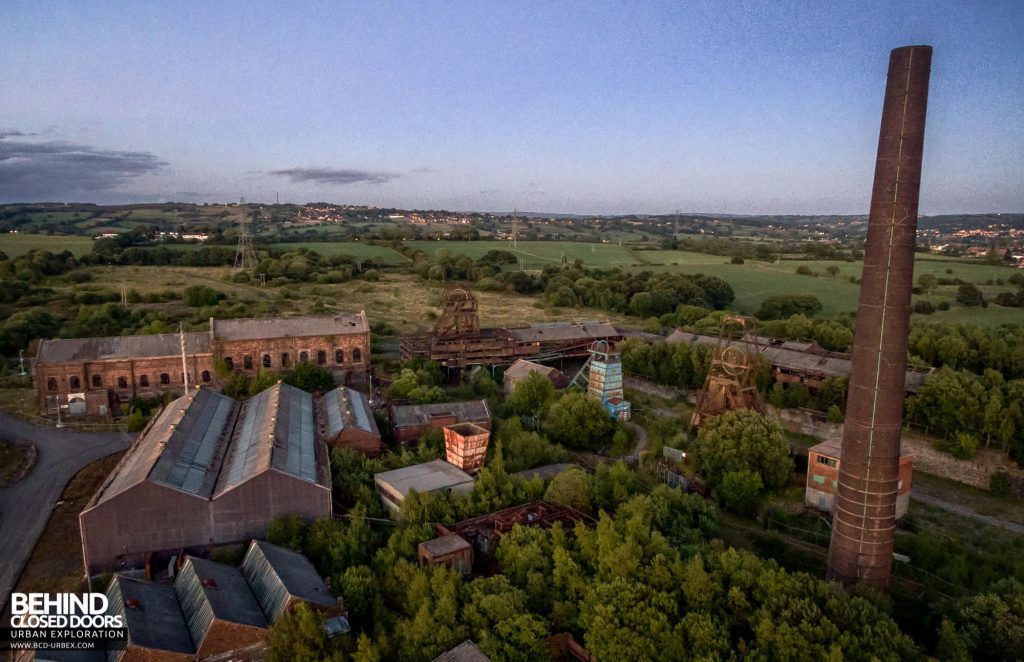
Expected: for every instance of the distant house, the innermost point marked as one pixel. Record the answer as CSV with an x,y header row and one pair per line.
x,y
434,476
823,461
411,421
522,369
346,421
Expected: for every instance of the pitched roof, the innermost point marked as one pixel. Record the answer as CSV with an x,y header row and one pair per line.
x,y
183,449
121,347
151,614
275,327
412,415
467,651
346,408
275,573
207,590
522,368
274,430
426,477
445,545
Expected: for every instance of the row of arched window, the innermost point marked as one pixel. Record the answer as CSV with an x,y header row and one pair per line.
x,y
74,383
285,359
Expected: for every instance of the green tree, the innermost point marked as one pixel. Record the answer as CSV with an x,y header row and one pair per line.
x,y
197,296
531,395
927,282
740,491
784,305
571,488
742,440
989,626
578,421
500,621
311,378
287,531
298,636
969,295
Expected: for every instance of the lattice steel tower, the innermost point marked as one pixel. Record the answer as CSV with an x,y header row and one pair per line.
x,y
245,256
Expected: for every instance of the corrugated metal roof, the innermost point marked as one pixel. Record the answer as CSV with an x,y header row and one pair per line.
x,y
346,408
183,449
207,590
274,430
276,573
276,327
151,613
445,545
121,347
412,415
426,477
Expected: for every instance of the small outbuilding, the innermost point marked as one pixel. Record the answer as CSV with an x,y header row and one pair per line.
x,y
434,476
450,550
823,461
411,421
522,369
346,421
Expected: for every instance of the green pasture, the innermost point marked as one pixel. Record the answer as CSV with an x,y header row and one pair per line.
x,y
18,244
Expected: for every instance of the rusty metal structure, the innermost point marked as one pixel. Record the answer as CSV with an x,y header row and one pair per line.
x,y
864,523
730,381
458,342
458,315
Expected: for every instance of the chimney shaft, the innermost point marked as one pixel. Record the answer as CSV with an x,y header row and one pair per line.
x,y
865,510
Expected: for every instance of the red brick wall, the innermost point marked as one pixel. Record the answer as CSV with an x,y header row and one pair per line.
x,y
349,370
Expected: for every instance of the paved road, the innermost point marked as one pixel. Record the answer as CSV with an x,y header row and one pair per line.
x,y
964,511
25,506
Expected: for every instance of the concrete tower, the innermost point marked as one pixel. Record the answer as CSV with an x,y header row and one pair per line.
x,y
864,523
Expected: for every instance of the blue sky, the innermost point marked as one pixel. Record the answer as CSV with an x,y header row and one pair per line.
x,y
582,107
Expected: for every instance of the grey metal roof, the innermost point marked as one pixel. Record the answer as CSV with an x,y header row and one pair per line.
x,y
121,347
346,408
564,331
412,415
275,327
183,449
151,613
426,477
275,573
467,651
274,430
445,545
207,590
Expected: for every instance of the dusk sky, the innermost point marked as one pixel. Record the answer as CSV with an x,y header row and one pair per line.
x,y
587,107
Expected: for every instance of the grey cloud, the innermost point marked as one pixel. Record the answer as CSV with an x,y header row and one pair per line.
x,y
57,169
334,175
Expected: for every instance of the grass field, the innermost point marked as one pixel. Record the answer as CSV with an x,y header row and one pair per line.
x,y
351,248
19,244
11,460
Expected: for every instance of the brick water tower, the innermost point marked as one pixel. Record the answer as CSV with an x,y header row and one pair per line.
x,y
465,445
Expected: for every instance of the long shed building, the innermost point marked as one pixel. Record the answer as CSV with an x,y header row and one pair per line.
x,y
209,470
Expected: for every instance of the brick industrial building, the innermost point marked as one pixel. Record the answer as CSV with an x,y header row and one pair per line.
x,y
410,421
823,462
209,470
95,376
217,611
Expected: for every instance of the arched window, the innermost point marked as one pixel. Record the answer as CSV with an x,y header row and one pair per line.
x,y
74,382
97,381
229,362
339,356
285,361
165,379
357,355
51,384
303,357
122,382
247,362
266,360
143,380
206,375
321,357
